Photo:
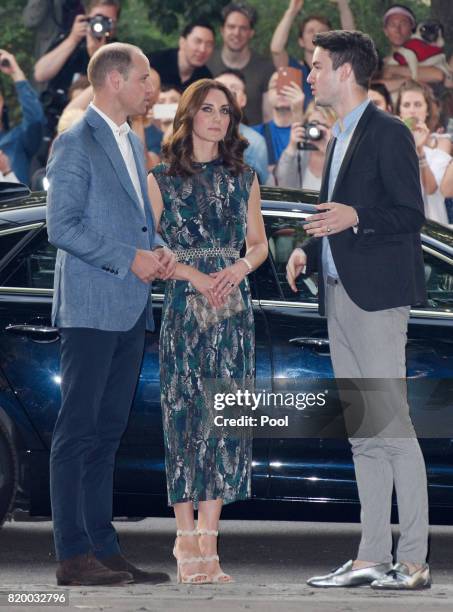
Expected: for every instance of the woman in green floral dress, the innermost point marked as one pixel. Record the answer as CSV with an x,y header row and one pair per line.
x,y
207,203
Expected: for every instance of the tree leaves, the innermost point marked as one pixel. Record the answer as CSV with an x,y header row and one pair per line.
x,y
172,15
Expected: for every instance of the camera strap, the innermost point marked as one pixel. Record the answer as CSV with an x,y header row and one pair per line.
x,y
269,144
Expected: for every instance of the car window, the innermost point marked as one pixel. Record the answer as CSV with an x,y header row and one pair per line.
x,y
10,238
284,234
33,267
439,283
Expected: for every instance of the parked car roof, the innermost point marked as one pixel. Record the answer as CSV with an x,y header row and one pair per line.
x,y
18,205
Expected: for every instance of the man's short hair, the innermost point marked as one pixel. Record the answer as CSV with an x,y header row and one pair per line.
x,y
115,56
351,47
91,4
321,18
235,72
198,23
240,7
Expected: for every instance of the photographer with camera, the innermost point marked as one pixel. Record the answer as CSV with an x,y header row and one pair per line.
x,y
19,144
70,55
301,163
50,19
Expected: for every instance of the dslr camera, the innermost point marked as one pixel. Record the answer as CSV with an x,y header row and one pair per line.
x,y
312,133
100,26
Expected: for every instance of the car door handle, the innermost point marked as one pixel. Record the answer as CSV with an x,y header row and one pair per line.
x,y
311,342
37,333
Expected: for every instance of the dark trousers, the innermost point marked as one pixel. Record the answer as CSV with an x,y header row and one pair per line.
x,y
99,372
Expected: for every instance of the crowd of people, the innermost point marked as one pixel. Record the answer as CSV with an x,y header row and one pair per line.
x,y
287,134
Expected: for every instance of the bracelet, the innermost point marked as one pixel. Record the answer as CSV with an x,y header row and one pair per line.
x,y
247,263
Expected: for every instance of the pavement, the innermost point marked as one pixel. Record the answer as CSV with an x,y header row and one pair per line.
x,y
270,561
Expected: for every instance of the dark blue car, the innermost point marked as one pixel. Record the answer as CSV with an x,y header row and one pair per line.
x,y
293,477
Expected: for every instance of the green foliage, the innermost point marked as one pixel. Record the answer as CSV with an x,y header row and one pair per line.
x,y
136,27
14,36
171,15
16,39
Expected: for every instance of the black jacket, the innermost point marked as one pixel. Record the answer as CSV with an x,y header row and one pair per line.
x,y
380,266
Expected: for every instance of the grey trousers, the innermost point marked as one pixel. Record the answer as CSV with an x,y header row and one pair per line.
x,y
368,349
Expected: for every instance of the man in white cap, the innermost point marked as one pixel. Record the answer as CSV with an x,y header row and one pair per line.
x,y
399,25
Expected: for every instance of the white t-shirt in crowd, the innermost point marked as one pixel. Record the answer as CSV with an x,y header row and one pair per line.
x,y
438,161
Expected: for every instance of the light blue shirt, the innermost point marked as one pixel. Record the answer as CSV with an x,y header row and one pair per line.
x,y
343,137
255,154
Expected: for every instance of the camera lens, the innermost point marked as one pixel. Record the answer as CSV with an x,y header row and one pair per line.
x,y
312,131
101,26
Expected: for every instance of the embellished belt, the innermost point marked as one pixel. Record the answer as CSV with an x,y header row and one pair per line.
x,y
189,254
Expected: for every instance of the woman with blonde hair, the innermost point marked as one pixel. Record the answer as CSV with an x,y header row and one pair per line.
x,y
301,163
207,202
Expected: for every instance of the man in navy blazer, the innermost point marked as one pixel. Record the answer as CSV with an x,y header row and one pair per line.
x,y
366,249
100,219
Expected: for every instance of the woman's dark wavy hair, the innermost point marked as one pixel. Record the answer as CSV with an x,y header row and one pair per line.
x,y
178,150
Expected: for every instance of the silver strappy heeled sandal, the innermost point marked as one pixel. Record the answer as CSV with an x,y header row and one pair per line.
x,y
220,577
198,577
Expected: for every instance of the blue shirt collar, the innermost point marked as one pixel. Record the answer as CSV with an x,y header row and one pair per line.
x,y
350,121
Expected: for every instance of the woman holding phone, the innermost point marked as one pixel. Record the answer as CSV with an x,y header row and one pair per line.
x,y
414,107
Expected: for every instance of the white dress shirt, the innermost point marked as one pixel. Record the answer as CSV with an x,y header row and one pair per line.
x,y
121,136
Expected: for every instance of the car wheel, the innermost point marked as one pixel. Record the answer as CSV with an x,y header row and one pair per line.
x,y
8,473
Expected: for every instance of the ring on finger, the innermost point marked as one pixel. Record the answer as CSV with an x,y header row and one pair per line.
x,y
328,229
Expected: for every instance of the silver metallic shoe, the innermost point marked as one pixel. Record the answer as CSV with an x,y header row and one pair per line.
x,y
401,579
345,576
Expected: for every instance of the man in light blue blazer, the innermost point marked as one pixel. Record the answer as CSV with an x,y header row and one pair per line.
x,y
100,219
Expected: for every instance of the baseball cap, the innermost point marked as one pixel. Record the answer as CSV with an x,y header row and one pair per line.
x,y
399,9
